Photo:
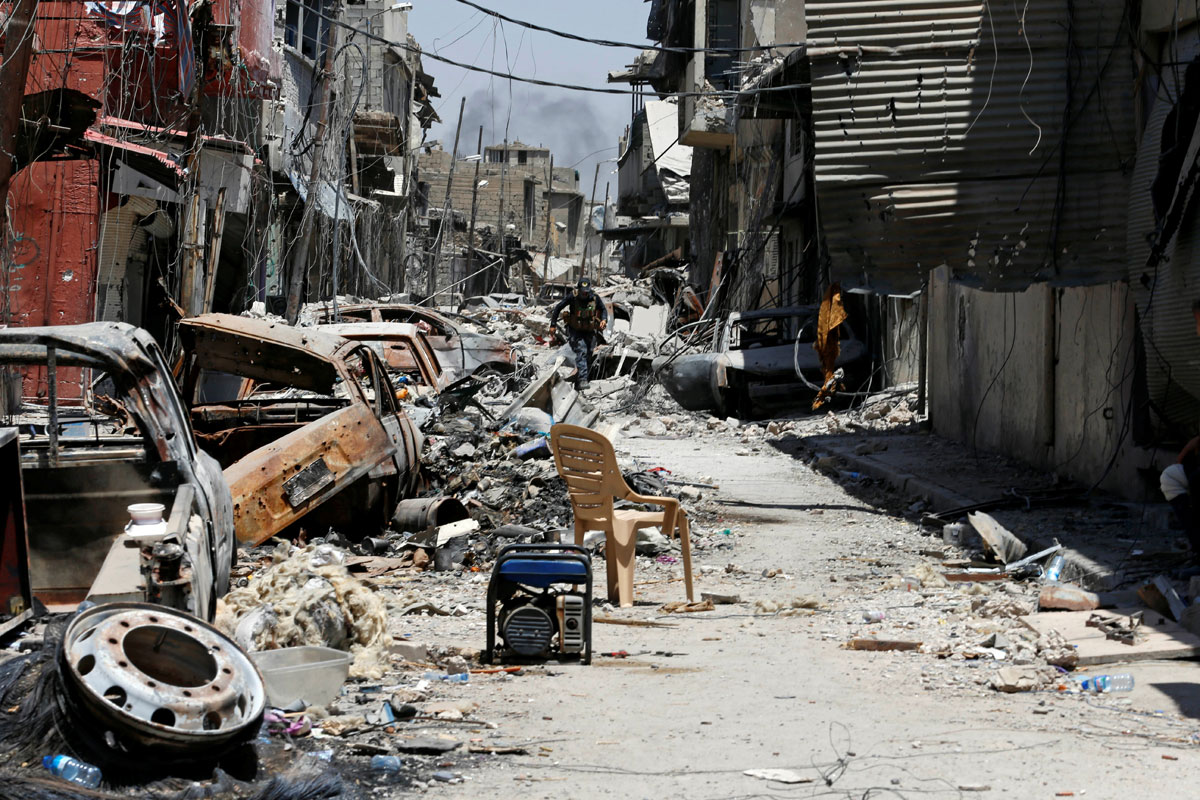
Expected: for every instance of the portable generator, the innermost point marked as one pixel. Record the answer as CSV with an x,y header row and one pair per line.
x,y
539,603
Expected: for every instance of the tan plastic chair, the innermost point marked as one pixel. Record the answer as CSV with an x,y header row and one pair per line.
x,y
586,461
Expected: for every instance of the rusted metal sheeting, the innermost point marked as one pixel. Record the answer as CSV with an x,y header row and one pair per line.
x,y
349,442
940,137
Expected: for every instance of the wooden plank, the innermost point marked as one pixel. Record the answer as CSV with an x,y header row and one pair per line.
x,y
1165,640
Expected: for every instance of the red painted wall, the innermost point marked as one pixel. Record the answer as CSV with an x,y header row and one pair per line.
x,y
56,214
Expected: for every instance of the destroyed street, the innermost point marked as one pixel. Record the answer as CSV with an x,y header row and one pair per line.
x,y
651,398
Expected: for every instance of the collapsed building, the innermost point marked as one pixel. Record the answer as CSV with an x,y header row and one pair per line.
x,y
501,217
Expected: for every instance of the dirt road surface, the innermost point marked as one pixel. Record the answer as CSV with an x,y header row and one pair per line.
x,y
742,690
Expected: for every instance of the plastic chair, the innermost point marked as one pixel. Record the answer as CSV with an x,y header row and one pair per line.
x,y
586,461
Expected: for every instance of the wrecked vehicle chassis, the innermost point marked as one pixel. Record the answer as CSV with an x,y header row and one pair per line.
x,y
82,467
305,423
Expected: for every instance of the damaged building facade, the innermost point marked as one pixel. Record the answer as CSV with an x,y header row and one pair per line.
x,y
508,207
164,158
1005,193
745,223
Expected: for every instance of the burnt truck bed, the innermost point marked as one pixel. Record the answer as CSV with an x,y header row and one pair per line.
x,y
86,455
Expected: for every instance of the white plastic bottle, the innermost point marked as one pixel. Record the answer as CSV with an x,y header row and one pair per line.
x,y
1107,683
73,770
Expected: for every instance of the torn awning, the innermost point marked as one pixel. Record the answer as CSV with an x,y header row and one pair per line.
x,y
662,119
329,203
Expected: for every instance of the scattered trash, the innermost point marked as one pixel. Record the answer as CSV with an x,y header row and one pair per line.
x,y
305,600
461,677
386,763
1054,571
308,675
1099,684
73,770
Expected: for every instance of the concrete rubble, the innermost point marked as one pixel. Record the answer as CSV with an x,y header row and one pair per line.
x,y
407,599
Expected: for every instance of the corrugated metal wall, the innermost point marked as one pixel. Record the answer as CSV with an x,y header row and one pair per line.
x,y
1164,296
962,133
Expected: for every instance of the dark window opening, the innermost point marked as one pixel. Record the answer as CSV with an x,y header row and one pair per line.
x,y
722,33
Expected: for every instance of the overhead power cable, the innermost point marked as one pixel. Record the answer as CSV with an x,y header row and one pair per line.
x,y
610,43
539,82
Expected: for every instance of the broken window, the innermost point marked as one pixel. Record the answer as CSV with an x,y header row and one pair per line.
x,y
305,28
522,157
496,156
722,33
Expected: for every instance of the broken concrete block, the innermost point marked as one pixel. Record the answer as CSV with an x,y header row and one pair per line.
x,y
999,540
1067,597
651,542
410,651
1018,679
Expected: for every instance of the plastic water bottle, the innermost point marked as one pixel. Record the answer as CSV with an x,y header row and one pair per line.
x,y
386,763
1054,571
1102,684
462,677
73,770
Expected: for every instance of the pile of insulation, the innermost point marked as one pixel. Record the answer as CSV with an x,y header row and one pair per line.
x,y
308,597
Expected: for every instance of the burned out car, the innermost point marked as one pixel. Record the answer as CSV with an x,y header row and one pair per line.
x,y
105,435
755,363
305,423
405,351
460,350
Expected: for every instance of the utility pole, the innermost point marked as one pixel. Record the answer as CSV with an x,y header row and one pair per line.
x,y
295,297
549,208
591,205
18,47
474,204
500,222
431,278
600,258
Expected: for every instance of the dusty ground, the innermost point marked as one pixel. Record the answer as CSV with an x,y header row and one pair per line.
x,y
745,690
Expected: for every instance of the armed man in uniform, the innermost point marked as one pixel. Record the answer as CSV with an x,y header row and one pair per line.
x,y
586,318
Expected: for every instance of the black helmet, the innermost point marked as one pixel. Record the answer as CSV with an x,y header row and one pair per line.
x,y
584,284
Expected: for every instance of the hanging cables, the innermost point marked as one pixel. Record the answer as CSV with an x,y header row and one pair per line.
x,y
538,81
609,43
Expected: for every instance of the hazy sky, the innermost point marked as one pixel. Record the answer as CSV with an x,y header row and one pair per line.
x,y
572,124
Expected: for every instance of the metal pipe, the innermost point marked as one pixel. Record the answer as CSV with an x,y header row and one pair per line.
x,y
475,199
431,278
